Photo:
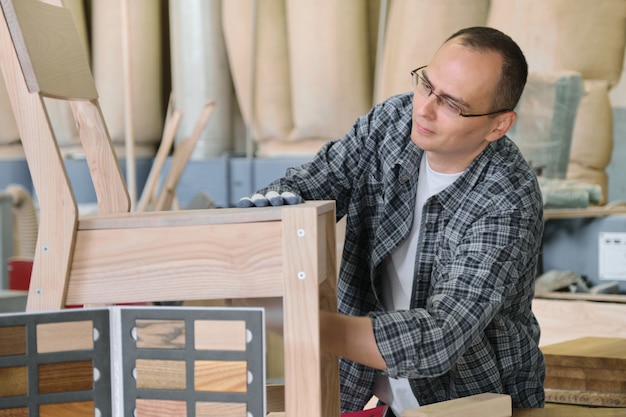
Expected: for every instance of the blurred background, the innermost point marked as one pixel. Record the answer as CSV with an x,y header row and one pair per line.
x,y
290,75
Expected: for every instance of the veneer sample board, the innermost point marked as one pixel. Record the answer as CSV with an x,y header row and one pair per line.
x,y
133,361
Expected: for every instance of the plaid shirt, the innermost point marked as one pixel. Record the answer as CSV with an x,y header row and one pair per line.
x,y
470,328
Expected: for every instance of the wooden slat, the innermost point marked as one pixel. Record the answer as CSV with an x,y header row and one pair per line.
x,y
196,217
481,405
593,211
588,398
558,295
109,183
181,157
558,410
588,352
305,245
190,262
562,320
58,211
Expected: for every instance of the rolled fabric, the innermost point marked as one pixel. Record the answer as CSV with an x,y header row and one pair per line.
x,y
200,71
415,29
546,116
146,68
587,36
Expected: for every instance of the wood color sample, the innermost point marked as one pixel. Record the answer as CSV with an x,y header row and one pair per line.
x,y
65,336
160,408
220,335
73,409
221,376
481,405
14,412
12,340
220,409
161,374
160,334
14,381
65,377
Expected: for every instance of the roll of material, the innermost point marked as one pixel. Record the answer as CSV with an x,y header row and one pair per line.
x,y
587,36
312,64
60,113
200,71
145,67
414,32
545,123
592,140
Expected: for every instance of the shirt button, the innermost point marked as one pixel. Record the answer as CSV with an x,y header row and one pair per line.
x,y
429,226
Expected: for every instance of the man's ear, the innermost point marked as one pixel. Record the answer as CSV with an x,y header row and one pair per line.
x,y
503,123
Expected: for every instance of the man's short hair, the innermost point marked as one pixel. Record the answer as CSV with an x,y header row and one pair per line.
x,y
514,70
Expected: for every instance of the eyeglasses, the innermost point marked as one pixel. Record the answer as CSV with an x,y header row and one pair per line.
x,y
423,87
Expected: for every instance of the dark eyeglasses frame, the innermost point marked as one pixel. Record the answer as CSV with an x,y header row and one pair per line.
x,y
432,91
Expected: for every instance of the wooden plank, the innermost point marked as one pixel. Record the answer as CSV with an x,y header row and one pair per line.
x,y
191,262
593,211
301,326
584,384
481,405
106,175
587,352
181,157
558,295
558,410
589,398
58,211
197,217
563,320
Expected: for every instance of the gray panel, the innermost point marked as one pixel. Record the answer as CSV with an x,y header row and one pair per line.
x,y
572,245
207,175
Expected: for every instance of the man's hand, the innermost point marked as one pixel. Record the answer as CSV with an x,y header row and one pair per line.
x,y
271,198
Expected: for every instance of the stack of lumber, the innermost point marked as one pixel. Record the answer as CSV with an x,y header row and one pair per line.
x,y
587,371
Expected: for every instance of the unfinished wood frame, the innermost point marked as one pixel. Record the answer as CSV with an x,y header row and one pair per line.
x,y
118,257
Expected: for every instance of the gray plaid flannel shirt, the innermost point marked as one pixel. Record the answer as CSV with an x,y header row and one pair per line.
x,y
470,328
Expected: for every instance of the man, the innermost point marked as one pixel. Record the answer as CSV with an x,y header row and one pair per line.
x,y
443,233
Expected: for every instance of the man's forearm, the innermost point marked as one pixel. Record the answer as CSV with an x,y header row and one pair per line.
x,y
351,338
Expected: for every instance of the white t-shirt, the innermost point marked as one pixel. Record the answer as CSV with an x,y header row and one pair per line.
x,y
398,282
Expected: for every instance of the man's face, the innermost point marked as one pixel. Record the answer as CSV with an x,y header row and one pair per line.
x,y
468,78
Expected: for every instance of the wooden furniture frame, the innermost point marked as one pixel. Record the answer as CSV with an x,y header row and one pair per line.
x,y
118,257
